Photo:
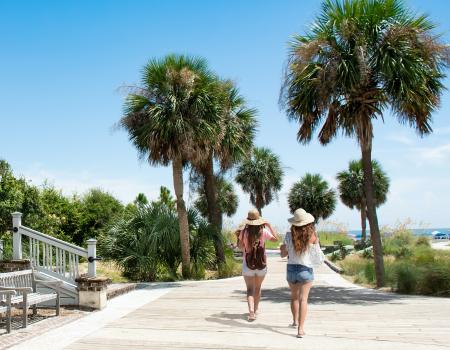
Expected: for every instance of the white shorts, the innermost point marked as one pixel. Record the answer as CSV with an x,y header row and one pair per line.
x,y
252,273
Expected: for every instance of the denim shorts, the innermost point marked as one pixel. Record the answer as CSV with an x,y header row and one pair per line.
x,y
297,273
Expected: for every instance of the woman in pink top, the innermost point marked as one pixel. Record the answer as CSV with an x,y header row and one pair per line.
x,y
252,234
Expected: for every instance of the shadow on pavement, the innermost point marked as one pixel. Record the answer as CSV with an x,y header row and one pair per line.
x,y
240,321
331,295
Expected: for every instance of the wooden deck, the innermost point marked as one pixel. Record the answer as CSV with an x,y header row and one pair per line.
x,y
212,315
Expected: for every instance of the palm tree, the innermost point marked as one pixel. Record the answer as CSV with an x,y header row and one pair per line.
x,y
168,120
235,129
361,58
260,176
313,194
227,199
351,189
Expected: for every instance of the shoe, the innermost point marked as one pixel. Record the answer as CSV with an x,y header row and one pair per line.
x,y
293,325
251,317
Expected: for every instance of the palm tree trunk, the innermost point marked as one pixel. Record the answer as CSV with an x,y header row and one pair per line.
x,y
177,169
366,150
214,214
363,220
258,203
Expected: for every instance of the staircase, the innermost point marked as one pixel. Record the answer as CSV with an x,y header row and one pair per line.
x,y
52,258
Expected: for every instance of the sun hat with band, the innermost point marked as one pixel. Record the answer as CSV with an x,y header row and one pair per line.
x,y
253,219
301,218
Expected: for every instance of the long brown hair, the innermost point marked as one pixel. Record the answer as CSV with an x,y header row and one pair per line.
x,y
254,233
301,236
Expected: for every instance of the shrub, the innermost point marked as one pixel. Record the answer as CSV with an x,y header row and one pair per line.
x,y
423,255
147,245
230,267
423,241
435,280
406,278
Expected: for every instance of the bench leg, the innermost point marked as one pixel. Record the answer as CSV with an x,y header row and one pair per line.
x,y
34,310
25,311
8,314
58,304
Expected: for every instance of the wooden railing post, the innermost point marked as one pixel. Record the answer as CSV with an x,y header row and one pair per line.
x,y
92,256
17,236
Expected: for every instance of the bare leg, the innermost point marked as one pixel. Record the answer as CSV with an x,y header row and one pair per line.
x,y
257,296
295,297
304,293
250,283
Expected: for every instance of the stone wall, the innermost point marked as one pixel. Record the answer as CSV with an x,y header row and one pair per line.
x,y
14,265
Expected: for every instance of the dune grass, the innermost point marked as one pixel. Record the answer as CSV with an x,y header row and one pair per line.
x,y
411,266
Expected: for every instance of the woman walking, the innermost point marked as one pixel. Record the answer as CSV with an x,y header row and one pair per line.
x,y
301,246
251,237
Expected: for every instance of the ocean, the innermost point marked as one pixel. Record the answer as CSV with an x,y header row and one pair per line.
x,y
416,231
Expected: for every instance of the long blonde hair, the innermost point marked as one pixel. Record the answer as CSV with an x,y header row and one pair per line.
x,y
301,236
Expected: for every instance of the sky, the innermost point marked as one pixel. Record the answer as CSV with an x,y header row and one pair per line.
x,y
64,64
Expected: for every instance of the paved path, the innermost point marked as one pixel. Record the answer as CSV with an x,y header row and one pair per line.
x,y
442,245
212,315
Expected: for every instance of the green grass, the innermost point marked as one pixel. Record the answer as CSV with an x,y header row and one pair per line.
x,y
411,266
328,238
106,269
273,245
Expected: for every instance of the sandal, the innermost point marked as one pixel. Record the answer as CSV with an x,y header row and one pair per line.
x,y
301,335
251,317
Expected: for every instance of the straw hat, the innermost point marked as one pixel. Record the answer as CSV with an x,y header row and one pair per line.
x,y
253,219
301,218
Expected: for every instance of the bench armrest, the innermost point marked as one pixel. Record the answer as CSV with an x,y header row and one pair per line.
x,y
7,290
24,290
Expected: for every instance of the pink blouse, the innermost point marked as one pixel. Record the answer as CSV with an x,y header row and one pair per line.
x,y
243,237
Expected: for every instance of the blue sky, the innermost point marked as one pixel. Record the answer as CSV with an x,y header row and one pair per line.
x,y
63,63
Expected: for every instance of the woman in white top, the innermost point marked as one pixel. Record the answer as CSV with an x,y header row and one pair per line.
x,y
301,246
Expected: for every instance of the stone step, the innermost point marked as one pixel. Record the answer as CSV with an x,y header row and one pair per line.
x,y
115,289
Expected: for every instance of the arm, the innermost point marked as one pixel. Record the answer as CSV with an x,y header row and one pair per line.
x,y
239,242
314,239
283,250
274,234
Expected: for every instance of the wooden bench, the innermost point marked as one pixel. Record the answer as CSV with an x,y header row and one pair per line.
x,y
24,284
5,305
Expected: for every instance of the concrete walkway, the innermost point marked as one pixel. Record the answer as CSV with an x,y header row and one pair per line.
x,y
212,315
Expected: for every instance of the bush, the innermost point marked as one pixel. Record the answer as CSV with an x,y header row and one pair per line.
x,y
231,267
147,245
423,241
406,278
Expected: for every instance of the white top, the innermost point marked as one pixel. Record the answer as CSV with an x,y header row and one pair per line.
x,y
303,258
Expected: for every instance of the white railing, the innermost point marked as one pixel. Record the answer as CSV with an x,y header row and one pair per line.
x,y
51,255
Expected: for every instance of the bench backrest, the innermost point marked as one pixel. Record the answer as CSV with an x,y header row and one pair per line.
x,y
17,279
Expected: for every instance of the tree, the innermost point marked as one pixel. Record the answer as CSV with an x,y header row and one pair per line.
x,y
98,210
11,195
170,119
141,199
351,189
260,176
235,129
147,244
313,194
361,58
227,199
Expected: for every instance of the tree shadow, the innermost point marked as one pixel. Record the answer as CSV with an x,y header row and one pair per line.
x,y
332,295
